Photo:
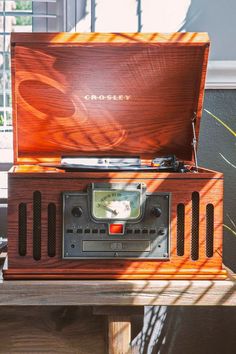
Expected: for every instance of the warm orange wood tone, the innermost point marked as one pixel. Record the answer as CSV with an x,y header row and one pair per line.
x,y
125,94
119,334
51,184
187,38
106,94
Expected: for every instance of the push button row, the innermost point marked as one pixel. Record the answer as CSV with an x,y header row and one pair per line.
x,y
139,231
127,231
86,231
93,231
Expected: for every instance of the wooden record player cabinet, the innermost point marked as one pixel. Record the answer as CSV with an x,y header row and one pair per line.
x,y
109,95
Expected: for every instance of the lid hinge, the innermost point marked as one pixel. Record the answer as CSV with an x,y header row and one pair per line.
x,y
194,142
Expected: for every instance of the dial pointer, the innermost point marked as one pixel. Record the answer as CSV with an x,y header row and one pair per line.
x,y
108,209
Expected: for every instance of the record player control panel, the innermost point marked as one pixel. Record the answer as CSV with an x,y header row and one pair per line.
x,y
115,220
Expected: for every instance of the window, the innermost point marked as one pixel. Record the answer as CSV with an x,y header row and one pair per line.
x,y
15,16
21,16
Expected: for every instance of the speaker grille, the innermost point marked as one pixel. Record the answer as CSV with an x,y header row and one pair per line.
x,y
195,226
209,230
180,229
51,230
37,225
22,229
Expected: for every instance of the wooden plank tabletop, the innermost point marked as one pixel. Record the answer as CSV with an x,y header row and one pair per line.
x,y
120,292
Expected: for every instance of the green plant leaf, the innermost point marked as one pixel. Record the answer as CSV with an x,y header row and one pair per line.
x,y
229,228
222,123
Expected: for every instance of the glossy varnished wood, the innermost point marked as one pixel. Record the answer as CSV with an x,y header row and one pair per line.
x,y
51,184
184,38
114,95
162,75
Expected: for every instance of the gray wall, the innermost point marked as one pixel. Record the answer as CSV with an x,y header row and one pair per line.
x,y
217,17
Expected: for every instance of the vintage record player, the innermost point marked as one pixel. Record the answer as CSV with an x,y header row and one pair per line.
x,y
105,182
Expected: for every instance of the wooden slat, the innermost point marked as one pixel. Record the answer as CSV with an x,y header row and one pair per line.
x,y
119,293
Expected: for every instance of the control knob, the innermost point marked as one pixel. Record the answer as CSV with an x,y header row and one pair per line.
x,y
156,212
77,211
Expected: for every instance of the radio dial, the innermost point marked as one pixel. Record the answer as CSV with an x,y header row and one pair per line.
x,y
156,212
77,211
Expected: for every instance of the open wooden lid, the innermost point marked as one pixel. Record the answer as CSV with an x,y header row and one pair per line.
x,y
106,94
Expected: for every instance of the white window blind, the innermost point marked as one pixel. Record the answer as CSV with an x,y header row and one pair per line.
x,y
126,15
22,16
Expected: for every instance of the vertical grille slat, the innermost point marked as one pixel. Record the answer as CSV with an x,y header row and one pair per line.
x,y
195,227
22,229
37,225
180,229
209,230
51,230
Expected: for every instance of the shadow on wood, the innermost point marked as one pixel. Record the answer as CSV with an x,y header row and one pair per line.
x,y
57,329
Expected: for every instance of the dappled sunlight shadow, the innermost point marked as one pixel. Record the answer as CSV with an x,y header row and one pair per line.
x,y
153,331
91,123
183,265
103,136
57,113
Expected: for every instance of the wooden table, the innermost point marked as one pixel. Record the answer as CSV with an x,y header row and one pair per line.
x,y
118,300
119,293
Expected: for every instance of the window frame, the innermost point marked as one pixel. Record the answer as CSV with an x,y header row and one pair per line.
x,y
47,16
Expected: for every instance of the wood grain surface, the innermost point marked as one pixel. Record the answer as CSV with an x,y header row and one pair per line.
x,y
209,185
113,95
56,329
187,38
108,94
119,335
118,293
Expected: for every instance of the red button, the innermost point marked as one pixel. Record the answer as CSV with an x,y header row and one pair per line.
x,y
116,228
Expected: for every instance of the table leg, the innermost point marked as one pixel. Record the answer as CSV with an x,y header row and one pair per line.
x,y
119,334
119,326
